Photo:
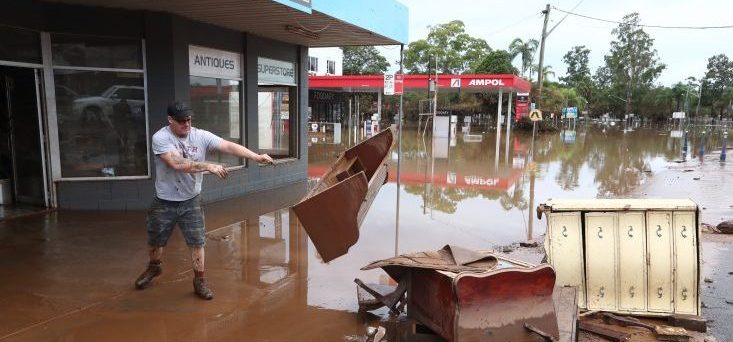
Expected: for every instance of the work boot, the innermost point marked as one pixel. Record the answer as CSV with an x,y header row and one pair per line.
x,y
200,288
147,277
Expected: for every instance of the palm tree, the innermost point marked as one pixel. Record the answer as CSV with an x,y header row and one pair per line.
x,y
546,71
526,50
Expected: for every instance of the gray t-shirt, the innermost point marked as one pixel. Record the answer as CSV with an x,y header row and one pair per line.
x,y
172,185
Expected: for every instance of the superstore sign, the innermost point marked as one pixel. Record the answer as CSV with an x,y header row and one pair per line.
x,y
214,63
271,71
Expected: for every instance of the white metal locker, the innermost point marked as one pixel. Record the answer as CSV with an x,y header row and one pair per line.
x,y
565,246
632,261
600,254
659,251
686,272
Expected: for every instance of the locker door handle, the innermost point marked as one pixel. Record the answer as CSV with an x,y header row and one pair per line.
x,y
659,232
659,292
684,229
602,292
600,230
564,231
684,294
631,229
631,292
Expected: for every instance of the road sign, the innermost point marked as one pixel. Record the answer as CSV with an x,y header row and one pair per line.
x,y
455,82
388,84
678,115
535,115
570,112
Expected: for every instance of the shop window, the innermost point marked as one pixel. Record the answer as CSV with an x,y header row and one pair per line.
x,y
313,64
331,66
216,106
277,119
99,88
20,45
102,123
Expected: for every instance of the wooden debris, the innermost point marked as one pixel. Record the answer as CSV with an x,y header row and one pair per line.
x,y
603,331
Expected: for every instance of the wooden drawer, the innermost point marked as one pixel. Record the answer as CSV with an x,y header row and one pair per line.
x,y
659,254
565,245
600,260
632,261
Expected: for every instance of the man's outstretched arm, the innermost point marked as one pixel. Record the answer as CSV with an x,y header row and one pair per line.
x,y
243,152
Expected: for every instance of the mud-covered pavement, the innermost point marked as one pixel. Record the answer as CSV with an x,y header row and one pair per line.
x,y
68,275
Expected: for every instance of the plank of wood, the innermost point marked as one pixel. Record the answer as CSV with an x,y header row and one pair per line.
x,y
566,309
601,330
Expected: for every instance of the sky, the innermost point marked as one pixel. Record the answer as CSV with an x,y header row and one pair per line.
x,y
685,52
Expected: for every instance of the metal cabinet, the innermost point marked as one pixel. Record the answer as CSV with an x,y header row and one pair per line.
x,y
686,272
632,261
600,260
565,245
627,255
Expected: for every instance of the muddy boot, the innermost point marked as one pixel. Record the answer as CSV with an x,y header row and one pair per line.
x,y
147,277
200,288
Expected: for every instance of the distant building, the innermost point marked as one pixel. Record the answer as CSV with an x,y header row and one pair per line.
x,y
325,61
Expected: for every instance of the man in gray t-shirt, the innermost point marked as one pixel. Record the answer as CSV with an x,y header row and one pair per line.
x,y
180,154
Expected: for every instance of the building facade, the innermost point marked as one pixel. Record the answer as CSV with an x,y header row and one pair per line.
x,y
84,84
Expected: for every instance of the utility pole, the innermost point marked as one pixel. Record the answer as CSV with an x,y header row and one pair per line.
x,y
540,74
699,97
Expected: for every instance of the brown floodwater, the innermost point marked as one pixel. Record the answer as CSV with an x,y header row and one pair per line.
x,y
67,275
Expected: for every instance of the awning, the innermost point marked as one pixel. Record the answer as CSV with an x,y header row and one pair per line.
x,y
475,83
326,23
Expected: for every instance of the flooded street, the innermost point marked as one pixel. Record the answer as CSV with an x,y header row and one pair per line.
x,y
68,274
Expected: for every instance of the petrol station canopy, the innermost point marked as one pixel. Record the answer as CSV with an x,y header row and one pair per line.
x,y
471,83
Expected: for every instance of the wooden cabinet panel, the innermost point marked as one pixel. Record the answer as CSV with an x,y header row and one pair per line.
x,y
659,252
632,261
565,251
600,254
686,272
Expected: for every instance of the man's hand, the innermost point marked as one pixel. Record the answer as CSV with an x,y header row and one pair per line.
x,y
264,159
218,170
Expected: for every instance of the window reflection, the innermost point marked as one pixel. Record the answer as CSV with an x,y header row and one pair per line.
x,y
101,118
216,107
274,106
100,52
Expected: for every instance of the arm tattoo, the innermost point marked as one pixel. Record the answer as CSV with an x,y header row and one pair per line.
x,y
187,164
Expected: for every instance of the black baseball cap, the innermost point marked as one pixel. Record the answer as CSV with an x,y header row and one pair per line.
x,y
179,110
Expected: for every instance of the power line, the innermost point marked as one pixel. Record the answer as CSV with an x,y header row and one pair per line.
x,y
650,26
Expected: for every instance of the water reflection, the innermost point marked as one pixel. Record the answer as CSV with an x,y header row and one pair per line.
x,y
480,183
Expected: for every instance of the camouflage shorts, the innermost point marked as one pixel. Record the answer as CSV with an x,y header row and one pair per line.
x,y
163,215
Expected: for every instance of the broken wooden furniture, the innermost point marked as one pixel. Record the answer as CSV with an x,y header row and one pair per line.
x,y
464,295
634,256
333,210
375,296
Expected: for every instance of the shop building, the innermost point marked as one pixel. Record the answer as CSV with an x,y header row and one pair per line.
x,y
84,84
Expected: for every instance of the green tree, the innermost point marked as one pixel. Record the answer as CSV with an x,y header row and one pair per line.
x,y
363,60
524,49
455,50
546,72
632,60
718,78
496,62
578,73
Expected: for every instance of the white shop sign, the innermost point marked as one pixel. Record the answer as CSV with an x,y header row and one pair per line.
x,y
214,63
274,72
